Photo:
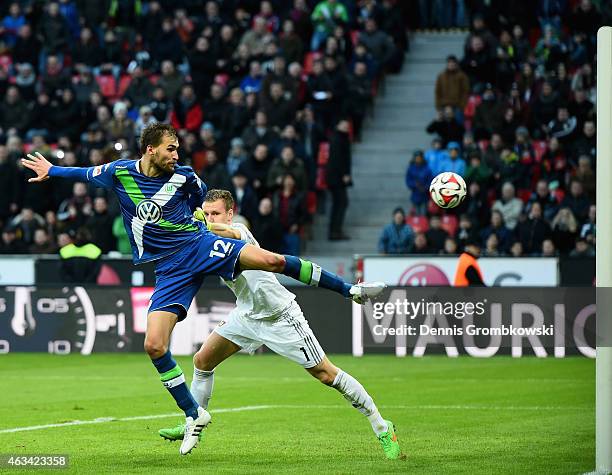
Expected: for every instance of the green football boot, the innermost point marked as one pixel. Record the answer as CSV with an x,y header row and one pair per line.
x,y
389,443
175,433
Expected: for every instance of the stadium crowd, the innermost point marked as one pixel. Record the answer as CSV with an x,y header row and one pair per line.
x,y
516,118
266,97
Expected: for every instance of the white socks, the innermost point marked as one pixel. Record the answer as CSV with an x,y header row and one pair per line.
x,y
202,386
349,387
356,394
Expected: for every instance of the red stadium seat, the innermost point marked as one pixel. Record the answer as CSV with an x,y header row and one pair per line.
x,y
449,224
524,194
559,194
6,61
321,180
491,197
311,202
309,59
433,209
355,37
124,83
222,79
108,85
323,155
419,224
322,159
374,87
539,149
470,108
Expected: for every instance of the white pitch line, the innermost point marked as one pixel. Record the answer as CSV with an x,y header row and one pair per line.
x,y
101,420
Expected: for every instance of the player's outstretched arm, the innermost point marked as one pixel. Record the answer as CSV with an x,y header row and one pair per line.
x,y
44,169
100,176
39,165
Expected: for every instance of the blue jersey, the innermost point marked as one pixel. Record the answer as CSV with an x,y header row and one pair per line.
x,y
157,211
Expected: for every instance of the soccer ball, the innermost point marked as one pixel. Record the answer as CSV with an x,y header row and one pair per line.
x,y
447,190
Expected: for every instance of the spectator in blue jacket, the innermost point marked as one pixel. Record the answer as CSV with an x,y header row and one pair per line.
x,y
453,162
11,24
435,155
418,178
397,237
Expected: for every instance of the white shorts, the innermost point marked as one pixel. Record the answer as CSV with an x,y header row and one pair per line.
x,y
288,335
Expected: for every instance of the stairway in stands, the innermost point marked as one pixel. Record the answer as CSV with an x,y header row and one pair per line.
x,y
381,159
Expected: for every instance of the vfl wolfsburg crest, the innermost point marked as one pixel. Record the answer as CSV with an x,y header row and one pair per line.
x,y
149,211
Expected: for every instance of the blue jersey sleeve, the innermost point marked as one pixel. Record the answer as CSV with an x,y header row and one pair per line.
x,y
196,189
101,175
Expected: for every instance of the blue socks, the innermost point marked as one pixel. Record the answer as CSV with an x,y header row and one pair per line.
x,y
172,378
311,274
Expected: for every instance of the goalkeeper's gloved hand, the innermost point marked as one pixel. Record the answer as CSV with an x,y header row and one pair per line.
x,y
199,215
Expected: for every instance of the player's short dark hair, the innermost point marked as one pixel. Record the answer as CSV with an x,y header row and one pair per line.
x,y
153,135
226,196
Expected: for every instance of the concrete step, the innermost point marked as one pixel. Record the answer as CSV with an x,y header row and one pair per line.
x,y
345,248
390,135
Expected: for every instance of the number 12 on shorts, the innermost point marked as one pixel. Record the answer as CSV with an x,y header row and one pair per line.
x,y
220,249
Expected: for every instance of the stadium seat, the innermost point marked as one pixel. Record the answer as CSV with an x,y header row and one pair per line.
x,y
470,108
222,79
491,197
6,61
419,224
351,131
449,224
433,209
124,83
524,194
559,194
322,159
108,85
323,155
311,202
321,180
539,149
354,37
309,59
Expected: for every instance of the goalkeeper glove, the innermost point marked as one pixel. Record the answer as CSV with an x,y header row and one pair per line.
x,y
199,215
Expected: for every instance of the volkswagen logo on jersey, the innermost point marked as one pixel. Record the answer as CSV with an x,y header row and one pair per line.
x,y
149,211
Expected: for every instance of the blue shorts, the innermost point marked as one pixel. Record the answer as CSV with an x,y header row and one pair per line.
x,y
179,276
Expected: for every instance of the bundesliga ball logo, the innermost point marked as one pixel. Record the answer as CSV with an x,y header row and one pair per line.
x,y
447,190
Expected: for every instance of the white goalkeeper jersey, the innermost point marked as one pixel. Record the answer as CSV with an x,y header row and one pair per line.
x,y
259,295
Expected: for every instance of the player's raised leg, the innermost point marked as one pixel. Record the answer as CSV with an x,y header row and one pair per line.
x,y
307,272
159,328
213,352
355,393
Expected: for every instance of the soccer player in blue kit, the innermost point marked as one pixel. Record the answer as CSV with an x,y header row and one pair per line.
x,y
157,198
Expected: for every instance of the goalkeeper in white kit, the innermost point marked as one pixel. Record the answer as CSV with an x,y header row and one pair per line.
x,y
266,313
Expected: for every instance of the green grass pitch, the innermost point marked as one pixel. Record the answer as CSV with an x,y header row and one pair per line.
x,y
460,415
